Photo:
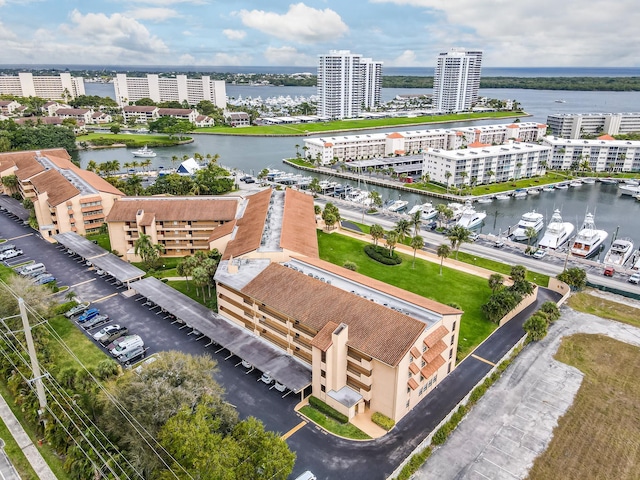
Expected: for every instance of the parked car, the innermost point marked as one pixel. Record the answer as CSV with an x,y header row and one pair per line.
x,y
104,331
266,378
635,278
96,321
88,315
77,310
279,387
108,338
7,254
250,180
7,246
306,476
126,344
473,236
132,355
44,279
498,244
609,271
540,253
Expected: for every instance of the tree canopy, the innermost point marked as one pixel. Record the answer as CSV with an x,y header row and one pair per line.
x,y
34,136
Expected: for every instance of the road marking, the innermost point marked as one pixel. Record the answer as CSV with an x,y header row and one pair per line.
x,y
483,360
293,430
104,298
21,236
82,283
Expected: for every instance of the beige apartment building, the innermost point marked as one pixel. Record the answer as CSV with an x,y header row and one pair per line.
x,y
182,225
65,197
371,346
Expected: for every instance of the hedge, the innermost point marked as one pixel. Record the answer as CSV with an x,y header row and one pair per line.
x,y
381,255
327,410
382,421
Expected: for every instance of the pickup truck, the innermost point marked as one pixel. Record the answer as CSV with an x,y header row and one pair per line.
x,y
77,310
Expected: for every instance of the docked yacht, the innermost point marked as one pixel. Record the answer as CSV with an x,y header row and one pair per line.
x,y
562,186
619,252
629,189
557,232
144,152
531,219
456,208
502,196
470,218
356,195
609,181
427,211
575,183
398,206
520,194
589,181
589,239
485,199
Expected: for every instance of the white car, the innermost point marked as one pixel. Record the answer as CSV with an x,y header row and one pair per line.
x,y
279,387
266,378
105,330
540,253
6,255
635,278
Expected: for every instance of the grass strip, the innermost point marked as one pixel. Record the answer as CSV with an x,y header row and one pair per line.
x,y
16,455
346,430
601,307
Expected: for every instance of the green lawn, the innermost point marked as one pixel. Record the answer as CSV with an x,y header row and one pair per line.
x,y
132,140
468,291
84,349
355,124
346,430
15,454
102,239
534,277
190,291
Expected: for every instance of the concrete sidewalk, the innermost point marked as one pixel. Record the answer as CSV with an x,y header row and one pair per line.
x,y
24,442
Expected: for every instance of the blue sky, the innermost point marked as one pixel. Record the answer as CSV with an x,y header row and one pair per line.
x,y
403,33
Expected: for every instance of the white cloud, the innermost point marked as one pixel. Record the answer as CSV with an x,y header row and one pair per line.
x,y
164,3
228,59
546,32
287,56
187,59
234,34
5,33
408,58
99,31
301,23
153,14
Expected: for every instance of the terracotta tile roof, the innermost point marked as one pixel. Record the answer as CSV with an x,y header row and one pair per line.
x,y
412,384
435,336
328,144
175,111
323,338
415,352
430,355
39,120
605,137
147,219
139,109
175,208
414,368
395,135
71,111
398,152
374,329
250,226
97,182
433,367
222,230
478,145
459,134
542,125
58,188
299,224
513,125
28,167
414,298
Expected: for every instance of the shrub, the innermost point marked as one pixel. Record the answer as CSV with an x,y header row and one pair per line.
x,y
327,410
551,311
381,255
349,265
382,421
415,462
536,326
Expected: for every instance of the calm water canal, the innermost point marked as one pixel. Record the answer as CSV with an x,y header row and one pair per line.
x,y
252,154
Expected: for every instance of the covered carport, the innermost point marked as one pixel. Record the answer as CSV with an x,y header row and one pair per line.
x,y
267,358
123,272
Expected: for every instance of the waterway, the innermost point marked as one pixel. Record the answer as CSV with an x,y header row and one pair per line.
x,y
252,154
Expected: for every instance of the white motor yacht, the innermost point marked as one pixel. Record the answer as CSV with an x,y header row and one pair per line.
x,y
398,206
502,196
629,189
589,181
144,152
557,232
427,211
485,199
456,208
576,183
589,239
619,252
470,218
531,219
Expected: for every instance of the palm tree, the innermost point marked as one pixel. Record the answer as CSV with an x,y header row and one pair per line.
x,y
11,183
392,239
443,252
415,221
146,163
174,159
92,166
417,243
403,229
314,185
495,282
518,167
463,175
135,164
376,232
443,212
457,235
447,176
297,150
531,233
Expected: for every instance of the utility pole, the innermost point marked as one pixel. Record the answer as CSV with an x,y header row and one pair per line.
x,y
35,366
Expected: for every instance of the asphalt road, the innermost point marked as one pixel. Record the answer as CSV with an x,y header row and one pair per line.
x,y
327,456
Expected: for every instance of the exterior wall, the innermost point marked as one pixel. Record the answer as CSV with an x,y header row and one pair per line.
x,y
25,84
457,80
574,125
602,155
526,301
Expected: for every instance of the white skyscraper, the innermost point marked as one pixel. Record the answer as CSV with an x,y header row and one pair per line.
x,y
346,82
58,87
457,80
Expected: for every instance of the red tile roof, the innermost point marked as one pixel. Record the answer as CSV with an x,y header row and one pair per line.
x,y
412,384
434,337
414,368
324,338
430,355
196,208
606,137
433,367
478,145
58,188
299,224
250,226
222,230
395,135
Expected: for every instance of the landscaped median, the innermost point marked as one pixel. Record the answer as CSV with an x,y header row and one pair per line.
x,y
331,420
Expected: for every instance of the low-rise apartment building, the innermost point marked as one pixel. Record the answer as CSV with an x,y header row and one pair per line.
x,y
8,107
577,125
65,197
485,163
83,116
604,154
182,225
141,114
188,114
371,346
413,142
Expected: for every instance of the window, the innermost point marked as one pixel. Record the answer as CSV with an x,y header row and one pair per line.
x,y
453,337
424,348
323,388
408,403
323,374
423,363
421,378
450,354
408,390
453,327
449,368
323,357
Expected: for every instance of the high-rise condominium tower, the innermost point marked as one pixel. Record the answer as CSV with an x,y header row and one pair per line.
x,y
457,79
347,83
